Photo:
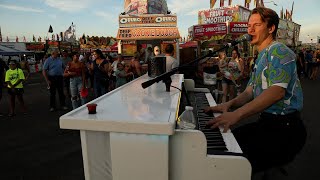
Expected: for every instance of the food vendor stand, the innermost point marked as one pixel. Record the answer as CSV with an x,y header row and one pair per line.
x,y
146,23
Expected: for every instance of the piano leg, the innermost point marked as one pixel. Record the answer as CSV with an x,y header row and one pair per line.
x,y
96,155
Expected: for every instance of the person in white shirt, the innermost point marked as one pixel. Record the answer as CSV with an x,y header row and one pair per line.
x,y
171,62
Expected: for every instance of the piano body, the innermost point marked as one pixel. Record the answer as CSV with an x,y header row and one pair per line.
x,y
133,137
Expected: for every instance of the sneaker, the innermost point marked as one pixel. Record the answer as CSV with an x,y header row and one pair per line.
x,y
52,109
64,107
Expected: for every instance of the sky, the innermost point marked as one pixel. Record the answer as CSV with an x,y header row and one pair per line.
x,y
100,17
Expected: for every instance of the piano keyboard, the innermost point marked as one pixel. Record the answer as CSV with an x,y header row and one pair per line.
x,y
216,139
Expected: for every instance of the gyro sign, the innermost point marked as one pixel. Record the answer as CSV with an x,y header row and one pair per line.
x,y
157,20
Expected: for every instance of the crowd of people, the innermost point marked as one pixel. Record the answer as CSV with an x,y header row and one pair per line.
x,y
73,76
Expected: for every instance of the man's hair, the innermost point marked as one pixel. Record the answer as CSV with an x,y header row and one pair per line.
x,y
169,49
269,16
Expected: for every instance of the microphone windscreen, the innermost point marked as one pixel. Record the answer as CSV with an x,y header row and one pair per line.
x,y
247,37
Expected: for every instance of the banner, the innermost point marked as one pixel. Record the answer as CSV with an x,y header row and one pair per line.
x,y
152,20
148,33
208,30
224,14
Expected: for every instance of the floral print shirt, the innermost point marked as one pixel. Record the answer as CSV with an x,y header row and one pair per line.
x,y
276,66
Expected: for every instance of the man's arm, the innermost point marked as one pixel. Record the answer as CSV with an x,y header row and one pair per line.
x,y
268,97
243,98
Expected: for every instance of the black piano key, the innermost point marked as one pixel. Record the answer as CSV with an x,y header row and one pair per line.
x,y
220,148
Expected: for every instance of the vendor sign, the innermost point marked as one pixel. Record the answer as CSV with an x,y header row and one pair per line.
x,y
206,31
150,20
238,27
35,46
148,33
223,14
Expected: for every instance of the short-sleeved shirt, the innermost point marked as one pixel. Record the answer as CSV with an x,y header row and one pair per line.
x,y
231,68
171,63
55,67
120,80
276,66
13,76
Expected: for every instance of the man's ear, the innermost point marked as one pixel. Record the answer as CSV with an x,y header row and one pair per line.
x,y
271,29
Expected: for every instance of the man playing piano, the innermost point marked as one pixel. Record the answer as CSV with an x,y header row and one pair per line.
x,y
274,92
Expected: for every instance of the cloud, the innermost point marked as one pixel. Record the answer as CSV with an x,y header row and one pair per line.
x,y
108,16
69,5
53,16
20,8
186,7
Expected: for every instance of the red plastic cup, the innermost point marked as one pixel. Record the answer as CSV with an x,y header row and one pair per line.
x,y
92,108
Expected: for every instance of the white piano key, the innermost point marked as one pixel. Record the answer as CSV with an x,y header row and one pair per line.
x,y
228,137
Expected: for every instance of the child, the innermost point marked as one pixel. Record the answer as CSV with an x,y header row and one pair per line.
x,y
121,75
14,78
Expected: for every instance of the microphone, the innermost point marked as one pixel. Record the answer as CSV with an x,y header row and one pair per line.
x,y
245,37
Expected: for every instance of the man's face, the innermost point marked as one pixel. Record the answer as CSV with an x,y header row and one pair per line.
x,y
55,54
257,29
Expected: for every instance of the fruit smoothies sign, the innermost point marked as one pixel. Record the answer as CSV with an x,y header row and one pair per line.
x,y
224,14
202,32
148,33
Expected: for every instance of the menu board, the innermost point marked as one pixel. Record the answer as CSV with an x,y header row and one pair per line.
x,y
129,48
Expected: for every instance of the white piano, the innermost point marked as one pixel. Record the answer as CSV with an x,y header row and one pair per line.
x,y
133,137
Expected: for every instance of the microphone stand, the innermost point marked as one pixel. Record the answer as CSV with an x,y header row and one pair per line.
x,y
166,77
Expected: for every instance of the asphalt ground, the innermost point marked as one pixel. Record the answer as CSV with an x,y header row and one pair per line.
x,y
34,147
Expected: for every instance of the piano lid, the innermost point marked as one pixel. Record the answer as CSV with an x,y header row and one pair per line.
x,y
130,109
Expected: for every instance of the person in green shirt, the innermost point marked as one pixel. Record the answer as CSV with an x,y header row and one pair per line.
x,y
14,78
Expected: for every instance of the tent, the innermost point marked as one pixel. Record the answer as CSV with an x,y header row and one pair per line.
x,y
8,51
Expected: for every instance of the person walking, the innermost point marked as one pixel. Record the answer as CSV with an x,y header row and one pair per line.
x,y
274,93
53,69
14,78
75,71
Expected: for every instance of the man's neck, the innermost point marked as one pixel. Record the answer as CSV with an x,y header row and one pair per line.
x,y
267,42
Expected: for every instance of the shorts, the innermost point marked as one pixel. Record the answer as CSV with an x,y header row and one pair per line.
x,y
227,81
15,91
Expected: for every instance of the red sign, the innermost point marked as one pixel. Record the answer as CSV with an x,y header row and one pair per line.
x,y
238,27
208,30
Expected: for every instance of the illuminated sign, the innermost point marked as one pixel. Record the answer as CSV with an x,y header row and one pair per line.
x,y
155,20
